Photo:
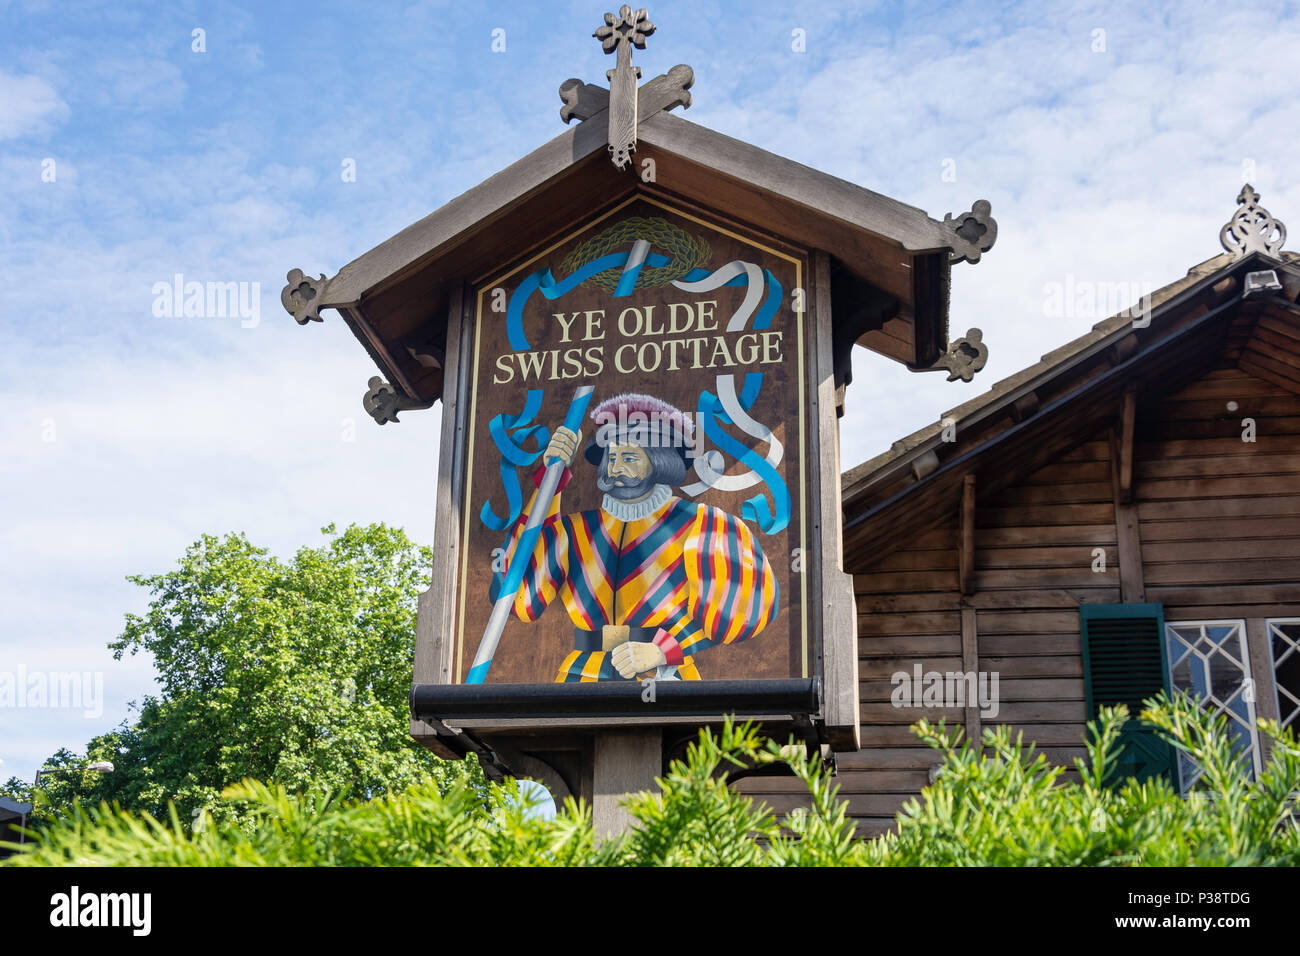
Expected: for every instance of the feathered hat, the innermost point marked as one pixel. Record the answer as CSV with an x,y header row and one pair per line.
x,y
636,419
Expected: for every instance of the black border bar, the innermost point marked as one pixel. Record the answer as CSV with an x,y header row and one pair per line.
x,y
667,698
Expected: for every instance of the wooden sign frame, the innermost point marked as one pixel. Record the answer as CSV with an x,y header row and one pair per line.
x,y
828,698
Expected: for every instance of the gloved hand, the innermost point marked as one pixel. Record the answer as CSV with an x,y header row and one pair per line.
x,y
637,657
563,445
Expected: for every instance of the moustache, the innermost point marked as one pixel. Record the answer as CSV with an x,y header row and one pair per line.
x,y
605,482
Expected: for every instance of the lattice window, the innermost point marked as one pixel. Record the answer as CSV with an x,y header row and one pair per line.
x,y
1209,660
1284,643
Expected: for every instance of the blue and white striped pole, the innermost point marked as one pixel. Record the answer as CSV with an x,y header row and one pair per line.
x,y
523,550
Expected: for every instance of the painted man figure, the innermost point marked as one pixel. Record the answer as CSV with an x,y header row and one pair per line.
x,y
648,579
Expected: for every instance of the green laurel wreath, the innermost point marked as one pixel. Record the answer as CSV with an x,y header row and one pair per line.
x,y
687,252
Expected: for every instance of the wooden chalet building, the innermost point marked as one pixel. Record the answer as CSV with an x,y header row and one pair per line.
x,y
1122,516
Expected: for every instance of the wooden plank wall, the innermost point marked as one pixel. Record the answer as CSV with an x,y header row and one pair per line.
x,y
1219,521
1220,517
1033,567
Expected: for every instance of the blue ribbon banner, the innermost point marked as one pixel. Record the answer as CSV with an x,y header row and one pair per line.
x,y
511,432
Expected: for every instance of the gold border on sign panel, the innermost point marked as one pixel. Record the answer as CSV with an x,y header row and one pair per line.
x,y
462,597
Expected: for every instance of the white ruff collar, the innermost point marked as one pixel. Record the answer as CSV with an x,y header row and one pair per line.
x,y
635,510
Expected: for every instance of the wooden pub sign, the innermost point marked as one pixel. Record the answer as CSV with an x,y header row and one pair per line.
x,y
673,350
640,334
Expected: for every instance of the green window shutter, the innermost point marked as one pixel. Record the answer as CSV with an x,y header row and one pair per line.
x,y
1125,662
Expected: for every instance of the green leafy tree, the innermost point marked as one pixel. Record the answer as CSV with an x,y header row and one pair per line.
x,y
296,674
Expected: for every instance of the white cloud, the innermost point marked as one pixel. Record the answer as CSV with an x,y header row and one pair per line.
x,y
28,105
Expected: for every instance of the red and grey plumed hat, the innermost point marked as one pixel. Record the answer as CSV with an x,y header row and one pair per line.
x,y
636,419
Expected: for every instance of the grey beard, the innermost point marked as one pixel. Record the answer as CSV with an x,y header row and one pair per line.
x,y
627,490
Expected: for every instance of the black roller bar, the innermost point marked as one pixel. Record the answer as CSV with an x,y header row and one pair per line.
x,y
743,698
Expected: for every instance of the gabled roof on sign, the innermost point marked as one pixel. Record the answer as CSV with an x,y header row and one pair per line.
x,y
890,262
910,228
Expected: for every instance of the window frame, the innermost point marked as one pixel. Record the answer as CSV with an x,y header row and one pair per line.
x,y
1248,681
1269,623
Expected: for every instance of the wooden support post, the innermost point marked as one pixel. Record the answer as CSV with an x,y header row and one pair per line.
x,y
624,762
1127,422
1128,535
436,605
966,557
970,663
837,613
966,580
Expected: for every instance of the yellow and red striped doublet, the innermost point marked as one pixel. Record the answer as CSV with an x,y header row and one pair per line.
x,y
694,573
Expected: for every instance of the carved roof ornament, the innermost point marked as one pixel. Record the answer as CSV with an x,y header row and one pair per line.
x,y
301,298
963,358
1252,228
618,36
971,234
627,105
382,402
665,92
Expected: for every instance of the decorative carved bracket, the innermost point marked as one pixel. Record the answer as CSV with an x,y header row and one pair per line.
x,y
382,402
427,359
301,298
963,358
665,92
581,100
1252,228
972,233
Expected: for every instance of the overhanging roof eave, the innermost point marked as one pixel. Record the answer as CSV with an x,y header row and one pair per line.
x,y
858,481
486,200
910,228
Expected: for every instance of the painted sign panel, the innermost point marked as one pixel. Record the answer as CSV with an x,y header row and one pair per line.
x,y
637,491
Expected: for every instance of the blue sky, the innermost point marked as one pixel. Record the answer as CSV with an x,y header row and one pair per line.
x,y
125,435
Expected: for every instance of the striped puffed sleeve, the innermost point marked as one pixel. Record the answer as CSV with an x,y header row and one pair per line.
x,y
732,590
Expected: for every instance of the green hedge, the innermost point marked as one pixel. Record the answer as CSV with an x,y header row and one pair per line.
x,y
1001,804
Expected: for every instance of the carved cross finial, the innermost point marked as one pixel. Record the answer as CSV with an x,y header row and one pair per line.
x,y
627,27
618,36
1252,228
